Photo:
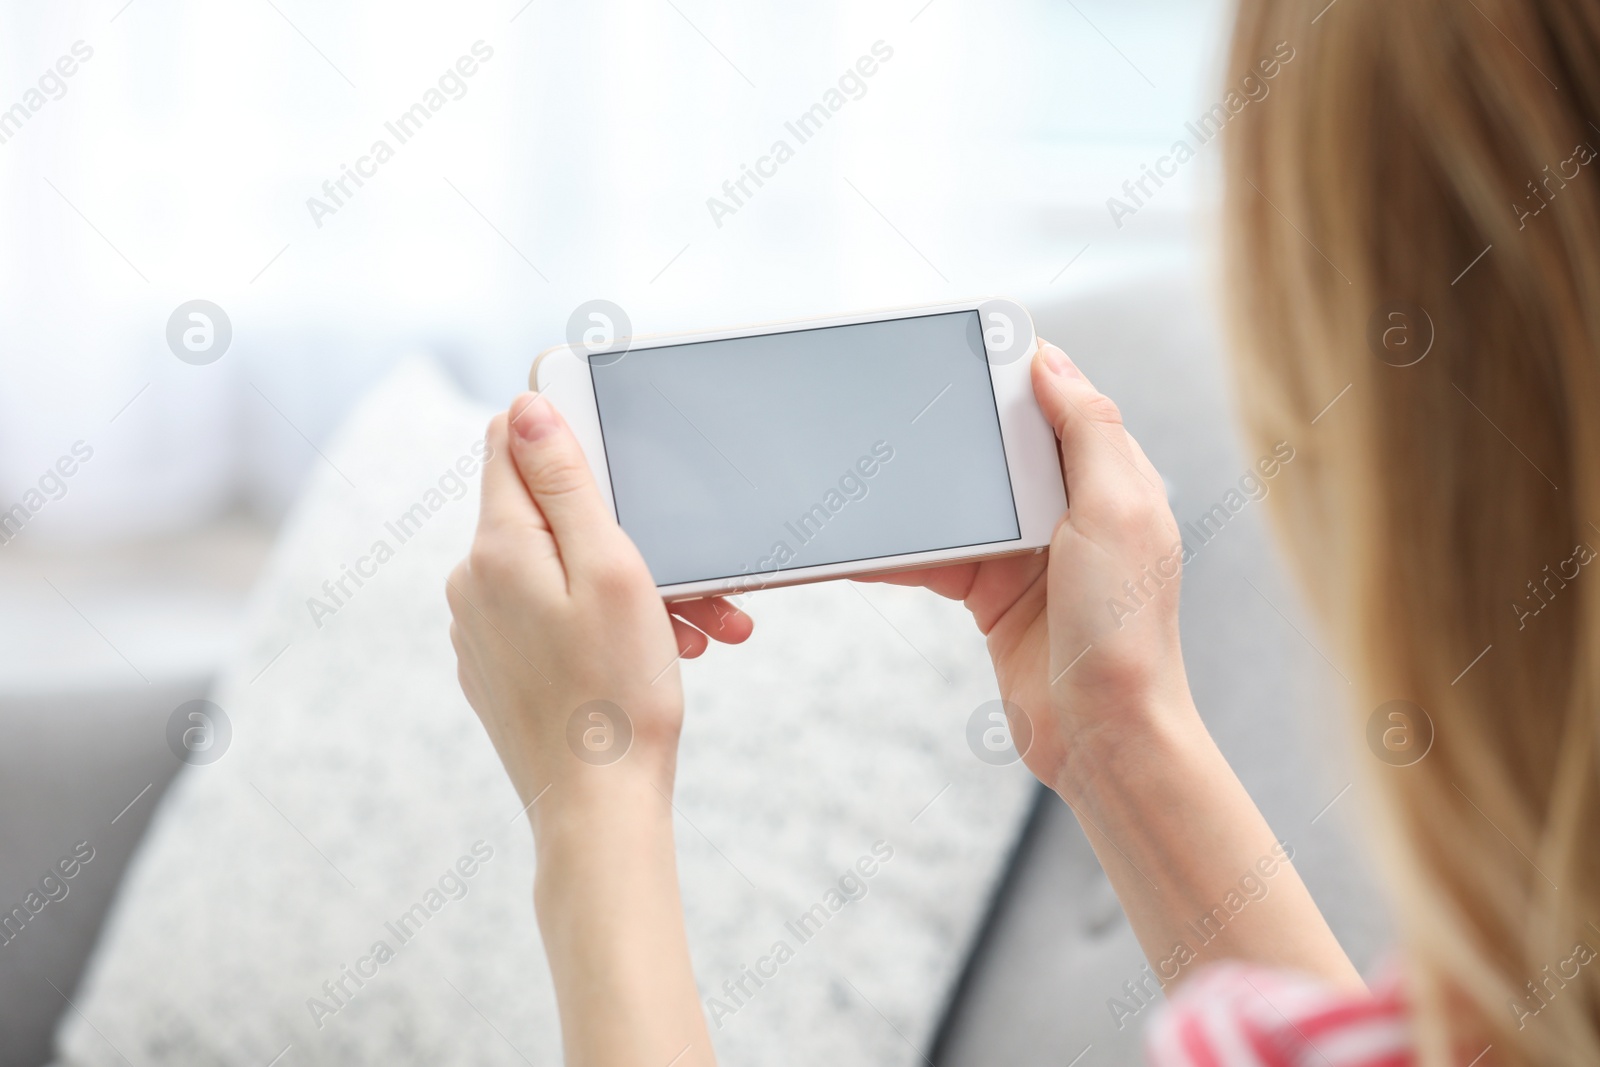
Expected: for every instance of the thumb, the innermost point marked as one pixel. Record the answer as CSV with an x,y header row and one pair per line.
x,y
1097,455
558,478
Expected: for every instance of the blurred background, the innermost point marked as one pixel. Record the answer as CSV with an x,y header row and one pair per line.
x,y
176,163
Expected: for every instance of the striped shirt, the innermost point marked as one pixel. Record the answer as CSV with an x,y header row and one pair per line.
x,y
1236,1015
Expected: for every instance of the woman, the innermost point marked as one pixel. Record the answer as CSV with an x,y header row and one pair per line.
x,y
1419,159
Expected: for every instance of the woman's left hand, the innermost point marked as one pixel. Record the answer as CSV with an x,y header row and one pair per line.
x,y
569,657
554,610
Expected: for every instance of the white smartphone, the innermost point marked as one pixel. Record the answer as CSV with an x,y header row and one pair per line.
x,y
802,451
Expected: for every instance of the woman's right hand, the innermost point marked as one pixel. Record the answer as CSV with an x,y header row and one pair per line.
x,y
1084,638
1085,645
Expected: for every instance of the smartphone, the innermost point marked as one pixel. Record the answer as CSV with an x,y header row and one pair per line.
x,y
803,451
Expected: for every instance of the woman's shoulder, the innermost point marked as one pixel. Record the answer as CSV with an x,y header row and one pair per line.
x,y
1238,1015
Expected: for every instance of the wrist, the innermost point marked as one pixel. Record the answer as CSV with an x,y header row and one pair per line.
x,y
610,917
578,810
1157,795
1158,737
603,825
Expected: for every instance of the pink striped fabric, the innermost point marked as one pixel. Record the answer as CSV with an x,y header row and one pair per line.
x,y
1234,1015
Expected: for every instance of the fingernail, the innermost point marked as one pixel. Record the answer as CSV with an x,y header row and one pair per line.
x,y
1058,362
535,419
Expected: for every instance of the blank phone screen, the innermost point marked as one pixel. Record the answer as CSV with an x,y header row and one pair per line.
x,y
760,455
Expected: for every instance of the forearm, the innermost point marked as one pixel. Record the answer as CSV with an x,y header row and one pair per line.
x,y
608,903
1199,872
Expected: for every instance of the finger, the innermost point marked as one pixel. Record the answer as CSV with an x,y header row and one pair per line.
x,y
952,581
1097,458
504,501
558,479
691,642
716,618
1058,351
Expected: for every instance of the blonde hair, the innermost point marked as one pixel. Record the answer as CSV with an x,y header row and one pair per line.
x,y
1411,180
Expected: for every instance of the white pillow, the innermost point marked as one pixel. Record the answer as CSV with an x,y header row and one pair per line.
x,y
359,804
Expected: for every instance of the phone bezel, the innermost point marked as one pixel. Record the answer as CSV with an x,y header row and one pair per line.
x,y
564,376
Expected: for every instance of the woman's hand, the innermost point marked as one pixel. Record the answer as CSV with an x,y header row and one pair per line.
x,y
569,657
1085,643
556,616
1084,639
